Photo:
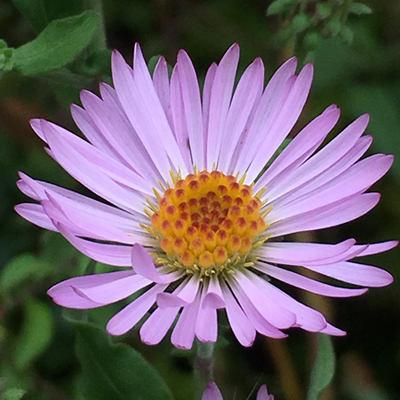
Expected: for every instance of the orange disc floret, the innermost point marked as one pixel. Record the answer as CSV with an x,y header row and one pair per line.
x,y
206,259
246,245
188,259
220,255
207,218
179,245
166,244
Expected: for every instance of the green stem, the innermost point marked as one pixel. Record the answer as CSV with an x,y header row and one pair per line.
x,y
203,367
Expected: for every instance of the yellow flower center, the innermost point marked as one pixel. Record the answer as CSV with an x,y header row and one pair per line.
x,y
207,221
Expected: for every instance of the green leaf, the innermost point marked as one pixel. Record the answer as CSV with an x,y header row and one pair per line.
x,y
151,65
13,394
21,269
312,40
324,10
301,22
36,334
347,35
323,369
34,11
115,371
59,43
280,6
359,9
335,26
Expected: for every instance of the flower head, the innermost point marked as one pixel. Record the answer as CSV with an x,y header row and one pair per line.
x,y
194,216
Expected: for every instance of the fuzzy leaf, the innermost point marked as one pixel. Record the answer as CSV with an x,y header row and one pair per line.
x,y
59,43
36,334
280,6
115,371
359,9
323,369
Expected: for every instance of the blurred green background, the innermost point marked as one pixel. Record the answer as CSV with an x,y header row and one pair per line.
x,y
37,343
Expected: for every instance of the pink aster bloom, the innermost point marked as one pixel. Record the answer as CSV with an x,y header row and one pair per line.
x,y
193,226
212,392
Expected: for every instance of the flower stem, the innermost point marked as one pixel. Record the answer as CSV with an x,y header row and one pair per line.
x,y
203,367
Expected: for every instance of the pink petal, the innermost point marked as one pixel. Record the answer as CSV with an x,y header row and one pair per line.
x,y
157,325
143,264
34,213
116,290
266,305
248,90
64,294
212,392
308,284
129,316
326,216
240,324
190,93
221,95
184,332
255,318
283,122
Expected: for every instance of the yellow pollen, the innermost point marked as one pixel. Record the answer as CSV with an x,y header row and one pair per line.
x,y
208,221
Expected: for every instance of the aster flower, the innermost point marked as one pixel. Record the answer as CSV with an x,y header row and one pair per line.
x,y
193,216
212,392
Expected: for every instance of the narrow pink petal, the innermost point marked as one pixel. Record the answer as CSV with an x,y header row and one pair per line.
x,y
152,110
161,84
283,122
357,274
295,253
60,137
255,318
259,128
248,90
379,248
89,224
212,392
262,394
308,284
157,325
129,316
207,88
184,332
170,300
333,331
240,324
64,294
34,213
116,290
214,297
190,92
111,254
221,95
265,304
322,160
309,138
327,216
138,115
179,119
117,130
40,189
87,126
306,318
356,179
143,264
333,171
89,174
206,329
